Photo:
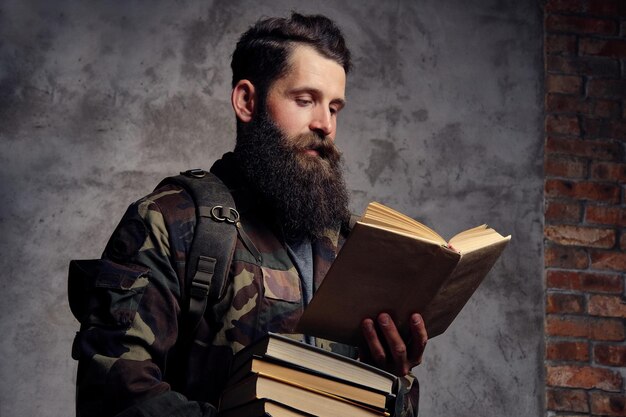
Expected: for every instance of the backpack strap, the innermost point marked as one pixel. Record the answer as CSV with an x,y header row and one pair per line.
x,y
213,245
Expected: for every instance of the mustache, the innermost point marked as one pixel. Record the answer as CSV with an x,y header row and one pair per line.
x,y
324,146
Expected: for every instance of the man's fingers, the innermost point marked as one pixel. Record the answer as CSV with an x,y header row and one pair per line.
x,y
419,337
397,347
386,347
376,349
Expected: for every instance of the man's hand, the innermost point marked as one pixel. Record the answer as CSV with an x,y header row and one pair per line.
x,y
389,351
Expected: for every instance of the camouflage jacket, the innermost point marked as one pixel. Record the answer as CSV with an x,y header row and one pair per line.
x,y
129,358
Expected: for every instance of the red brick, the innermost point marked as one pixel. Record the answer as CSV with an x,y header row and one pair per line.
x,y
607,405
569,235
604,128
561,44
607,108
565,257
567,84
572,6
610,355
563,103
612,48
609,215
582,25
585,281
592,191
608,171
622,241
567,351
594,149
610,8
583,377
562,124
567,400
606,88
557,211
564,303
565,167
607,329
612,261
590,66
616,129
607,306
560,103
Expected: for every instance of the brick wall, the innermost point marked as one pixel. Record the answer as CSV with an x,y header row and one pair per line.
x,y
585,207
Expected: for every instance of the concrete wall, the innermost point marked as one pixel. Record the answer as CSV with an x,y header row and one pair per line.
x,y
99,100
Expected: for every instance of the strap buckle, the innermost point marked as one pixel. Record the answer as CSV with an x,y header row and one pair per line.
x,y
228,214
195,173
199,290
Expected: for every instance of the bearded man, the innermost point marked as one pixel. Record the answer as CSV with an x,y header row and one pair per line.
x,y
289,78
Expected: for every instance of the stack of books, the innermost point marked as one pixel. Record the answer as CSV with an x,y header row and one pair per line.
x,y
280,377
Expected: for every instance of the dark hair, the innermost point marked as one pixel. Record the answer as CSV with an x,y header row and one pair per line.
x,y
262,53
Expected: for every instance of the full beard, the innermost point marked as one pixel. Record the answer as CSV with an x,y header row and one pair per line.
x,y
299,178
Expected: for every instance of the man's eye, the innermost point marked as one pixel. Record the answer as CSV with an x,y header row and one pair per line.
x,y
304,101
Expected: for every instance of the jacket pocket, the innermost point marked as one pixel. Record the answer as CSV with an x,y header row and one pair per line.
x,y
282,301
103,293
282,285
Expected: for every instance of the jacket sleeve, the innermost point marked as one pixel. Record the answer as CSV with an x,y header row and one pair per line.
x,y
129,313
407,397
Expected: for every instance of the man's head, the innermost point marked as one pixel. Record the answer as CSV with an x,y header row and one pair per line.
x,y
262,53
289,78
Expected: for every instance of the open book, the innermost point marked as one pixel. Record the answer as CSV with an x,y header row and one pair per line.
x,y
392,263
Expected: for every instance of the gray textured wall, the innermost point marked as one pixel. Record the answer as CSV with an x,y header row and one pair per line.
x,y
98,100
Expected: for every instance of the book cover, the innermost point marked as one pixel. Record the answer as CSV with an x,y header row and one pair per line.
x,y
299,354
312,378
263,408
392,263
258,386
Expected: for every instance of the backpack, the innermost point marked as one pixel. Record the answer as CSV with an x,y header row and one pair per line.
x,y
209,258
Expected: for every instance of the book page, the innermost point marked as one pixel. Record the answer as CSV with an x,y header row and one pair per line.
x,y
380,215
459,287
476,238
377,214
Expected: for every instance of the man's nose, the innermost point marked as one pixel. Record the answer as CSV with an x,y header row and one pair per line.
x,y
322,122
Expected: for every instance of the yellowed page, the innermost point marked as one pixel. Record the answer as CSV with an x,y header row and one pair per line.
x,y
476,238
379,214
459,287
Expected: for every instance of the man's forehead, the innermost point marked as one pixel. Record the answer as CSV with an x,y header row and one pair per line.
x,y
309,69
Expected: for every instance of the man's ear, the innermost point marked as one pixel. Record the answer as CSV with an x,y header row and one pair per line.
x,y
244,100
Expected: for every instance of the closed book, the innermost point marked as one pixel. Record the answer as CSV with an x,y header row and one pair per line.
x,y
258,386
306,356
313,379
392,263
263,408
